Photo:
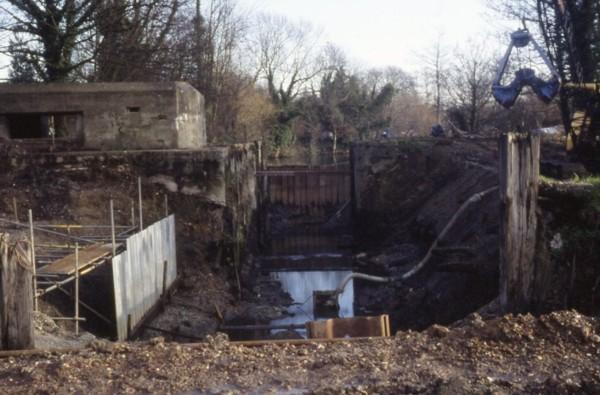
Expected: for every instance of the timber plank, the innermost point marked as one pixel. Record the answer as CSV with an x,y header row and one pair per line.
x,y
87,256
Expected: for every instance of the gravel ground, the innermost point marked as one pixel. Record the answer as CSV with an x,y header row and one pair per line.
x,y
556,353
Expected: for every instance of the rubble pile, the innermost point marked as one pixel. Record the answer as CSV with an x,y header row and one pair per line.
x,y
511,354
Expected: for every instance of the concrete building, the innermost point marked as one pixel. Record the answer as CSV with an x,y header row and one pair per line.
x,y
105,116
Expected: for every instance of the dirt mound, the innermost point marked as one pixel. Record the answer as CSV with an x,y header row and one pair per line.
x,y
50,335
556,353
567,326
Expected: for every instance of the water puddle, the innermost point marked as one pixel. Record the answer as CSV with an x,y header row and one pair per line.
x,y
301,284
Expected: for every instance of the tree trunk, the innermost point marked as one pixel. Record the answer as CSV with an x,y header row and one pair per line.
x,y
519,176
16,297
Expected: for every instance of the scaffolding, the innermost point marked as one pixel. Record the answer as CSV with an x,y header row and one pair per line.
x,y
63,253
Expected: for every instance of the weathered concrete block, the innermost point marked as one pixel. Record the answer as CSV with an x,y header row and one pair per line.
x,y
105,116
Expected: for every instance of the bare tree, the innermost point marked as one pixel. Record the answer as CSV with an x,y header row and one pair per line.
x,y
377,78
285,56
411,115
132,38
434,71
469,81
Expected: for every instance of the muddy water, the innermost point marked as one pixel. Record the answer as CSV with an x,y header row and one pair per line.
x,y
301,284
308,261
308,239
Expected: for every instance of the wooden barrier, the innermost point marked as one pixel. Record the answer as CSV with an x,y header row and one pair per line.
x,y
335,328
519,177
16,296
309,189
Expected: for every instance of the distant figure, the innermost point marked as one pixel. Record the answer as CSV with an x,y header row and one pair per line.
x,y
437,130
385,134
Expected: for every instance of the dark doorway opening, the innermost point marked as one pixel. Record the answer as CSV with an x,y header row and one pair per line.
x,y
27,126
40,126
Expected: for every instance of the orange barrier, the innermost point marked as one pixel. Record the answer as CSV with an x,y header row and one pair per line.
x,y
378,326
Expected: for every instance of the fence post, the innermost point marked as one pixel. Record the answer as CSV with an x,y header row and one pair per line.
x,y
519,177
16,301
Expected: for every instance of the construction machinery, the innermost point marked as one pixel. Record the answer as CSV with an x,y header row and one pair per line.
x,y
545,90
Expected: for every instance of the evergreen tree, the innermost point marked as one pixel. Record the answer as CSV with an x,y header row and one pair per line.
x,y
21,69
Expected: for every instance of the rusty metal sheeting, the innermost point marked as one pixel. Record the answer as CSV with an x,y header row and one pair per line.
x,y
378,326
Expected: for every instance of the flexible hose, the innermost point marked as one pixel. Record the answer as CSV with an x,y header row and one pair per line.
x,y
419,266
361,276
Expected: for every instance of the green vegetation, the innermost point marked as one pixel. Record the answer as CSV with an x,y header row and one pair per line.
x,y
593,181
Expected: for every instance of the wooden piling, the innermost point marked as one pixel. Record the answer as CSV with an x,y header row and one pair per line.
x,y
16,299
519,178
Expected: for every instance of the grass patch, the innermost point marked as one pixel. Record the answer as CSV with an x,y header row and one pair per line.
x,y
593,181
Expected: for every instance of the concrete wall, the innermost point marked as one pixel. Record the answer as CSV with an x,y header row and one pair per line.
x,y
211,190
118,115
4,132
190,117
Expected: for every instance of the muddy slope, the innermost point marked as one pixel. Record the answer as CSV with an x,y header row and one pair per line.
x,y
406,192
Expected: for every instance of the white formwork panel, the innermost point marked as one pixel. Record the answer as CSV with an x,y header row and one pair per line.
x,y
138,272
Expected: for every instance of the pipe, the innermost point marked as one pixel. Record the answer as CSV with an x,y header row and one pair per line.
x,y
360,276
419,266
473,199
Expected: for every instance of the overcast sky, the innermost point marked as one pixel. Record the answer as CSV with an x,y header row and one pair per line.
x,y
387,32
392,32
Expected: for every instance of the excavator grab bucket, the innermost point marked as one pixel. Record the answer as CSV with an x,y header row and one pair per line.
x,y
545,90
506,96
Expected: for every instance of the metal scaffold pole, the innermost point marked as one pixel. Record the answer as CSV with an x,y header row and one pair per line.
x,y
166,202
77,288
32,241
112,227
15,209
140,203
132,213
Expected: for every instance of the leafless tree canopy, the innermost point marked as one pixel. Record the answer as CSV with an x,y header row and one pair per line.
x,y
266,76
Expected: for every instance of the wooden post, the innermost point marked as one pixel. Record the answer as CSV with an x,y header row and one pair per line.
x,y
77,288
519,177
140,203
32,256
16,301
